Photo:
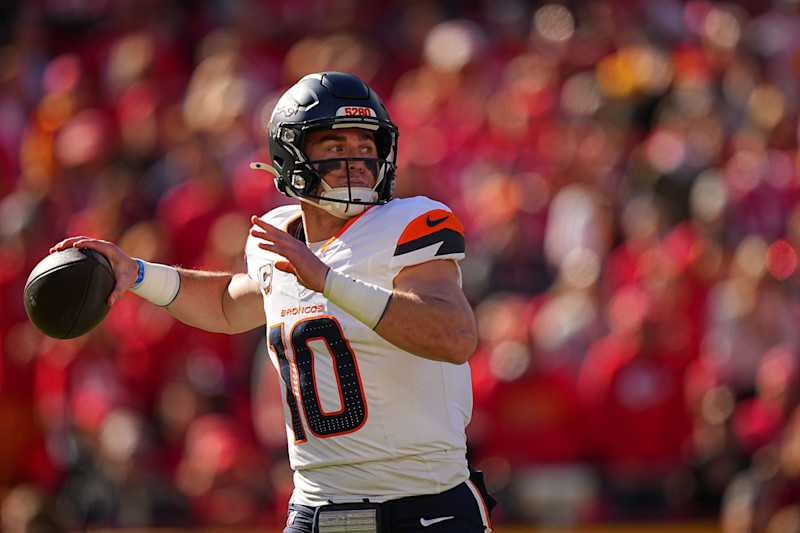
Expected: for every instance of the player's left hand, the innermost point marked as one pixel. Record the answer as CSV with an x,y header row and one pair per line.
x,y
300,261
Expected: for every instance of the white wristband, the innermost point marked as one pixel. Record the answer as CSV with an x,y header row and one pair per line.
x,y
364,301
158,283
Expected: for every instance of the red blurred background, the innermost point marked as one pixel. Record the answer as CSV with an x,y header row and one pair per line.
x,y
627,173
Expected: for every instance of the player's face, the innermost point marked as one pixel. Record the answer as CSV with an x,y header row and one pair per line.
x,y
343,143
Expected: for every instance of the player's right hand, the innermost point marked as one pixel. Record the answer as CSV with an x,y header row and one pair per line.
x,y
126,269
300,260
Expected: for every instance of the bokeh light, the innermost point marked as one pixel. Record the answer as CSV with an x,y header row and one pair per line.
x,y
781,260
554,23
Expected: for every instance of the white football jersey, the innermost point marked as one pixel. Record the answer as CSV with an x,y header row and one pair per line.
x,y
364,419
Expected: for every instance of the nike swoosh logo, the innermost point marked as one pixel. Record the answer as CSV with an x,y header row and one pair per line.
x,y
432,223
426,523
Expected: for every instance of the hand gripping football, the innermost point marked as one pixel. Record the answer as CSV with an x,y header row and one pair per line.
x,y
66,293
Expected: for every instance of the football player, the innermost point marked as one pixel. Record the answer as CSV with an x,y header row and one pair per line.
x,y
366,322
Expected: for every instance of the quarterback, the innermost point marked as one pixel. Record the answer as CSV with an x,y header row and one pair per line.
x,y
365,320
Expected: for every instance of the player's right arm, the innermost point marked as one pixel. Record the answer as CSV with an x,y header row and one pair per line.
x,y
220,302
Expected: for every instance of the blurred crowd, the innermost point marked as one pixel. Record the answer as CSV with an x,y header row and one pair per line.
x,y
628,175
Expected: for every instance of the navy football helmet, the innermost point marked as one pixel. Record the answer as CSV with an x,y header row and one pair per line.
x,y
322,101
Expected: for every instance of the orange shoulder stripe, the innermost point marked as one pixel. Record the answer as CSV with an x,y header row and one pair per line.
x,y
430,223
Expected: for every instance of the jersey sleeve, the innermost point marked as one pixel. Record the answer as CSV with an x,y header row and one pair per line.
x,y
435,233
255,257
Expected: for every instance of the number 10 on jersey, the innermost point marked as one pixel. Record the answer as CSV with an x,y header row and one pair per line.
x,y
300,378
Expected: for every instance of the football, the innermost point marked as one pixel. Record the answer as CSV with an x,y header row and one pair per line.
x,y
66,293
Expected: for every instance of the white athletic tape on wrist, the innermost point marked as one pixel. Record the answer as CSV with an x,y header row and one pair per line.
x,y
159,283
364,301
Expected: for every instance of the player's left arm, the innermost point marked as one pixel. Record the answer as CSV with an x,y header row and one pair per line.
x,y
428,314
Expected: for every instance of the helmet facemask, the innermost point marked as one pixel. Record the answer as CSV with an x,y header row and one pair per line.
x,y
350,200
307,181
